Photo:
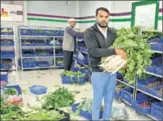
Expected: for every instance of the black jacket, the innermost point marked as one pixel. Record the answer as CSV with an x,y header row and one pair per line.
x,y
98,46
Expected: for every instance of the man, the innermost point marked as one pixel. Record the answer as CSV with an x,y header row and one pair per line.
x,y
69,42
97,39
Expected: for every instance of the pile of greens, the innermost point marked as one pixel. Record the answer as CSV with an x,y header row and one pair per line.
x,y
45,115
10,91
72,74
137,50
10,112
58,99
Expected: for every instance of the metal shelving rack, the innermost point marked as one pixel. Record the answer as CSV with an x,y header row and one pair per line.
x,y
6,36
134,86
35,37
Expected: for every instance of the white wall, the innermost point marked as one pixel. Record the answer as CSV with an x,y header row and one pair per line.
x,y
59,8
88,8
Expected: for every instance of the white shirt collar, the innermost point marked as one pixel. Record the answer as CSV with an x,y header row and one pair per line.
x,y
104,33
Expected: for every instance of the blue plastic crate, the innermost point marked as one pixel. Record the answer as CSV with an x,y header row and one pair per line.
x,y
80,80
84,114
75,69
142,84
151,69
28,53
7,42
154,46
82,70
42,64
67,80
117,94
17,87
156,91
119,75
4,76
59,54
24,32
159,47
158,70
142,110
7,54
45,53
127,95
28,63
3,67
38,89
157,61
156,110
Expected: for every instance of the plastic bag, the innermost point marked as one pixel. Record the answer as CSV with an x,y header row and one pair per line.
x,y
3,83
119,112
31,101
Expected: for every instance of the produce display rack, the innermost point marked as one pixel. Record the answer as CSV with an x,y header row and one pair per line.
x,y
8,48
134,86
136,89
38,46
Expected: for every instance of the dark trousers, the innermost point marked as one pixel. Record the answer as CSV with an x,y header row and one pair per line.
x,y
68,58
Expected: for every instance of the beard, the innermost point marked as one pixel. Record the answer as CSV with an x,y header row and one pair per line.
x,y
102,24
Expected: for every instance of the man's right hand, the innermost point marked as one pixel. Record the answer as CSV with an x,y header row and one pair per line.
x,y
121,53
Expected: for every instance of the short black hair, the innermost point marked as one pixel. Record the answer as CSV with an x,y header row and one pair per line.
x,y
103,9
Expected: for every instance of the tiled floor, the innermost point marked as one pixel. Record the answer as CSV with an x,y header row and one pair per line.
x,y
52,80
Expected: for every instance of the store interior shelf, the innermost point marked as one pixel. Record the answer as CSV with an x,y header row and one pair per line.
x,y
151,30
39,57
151,117
153,74
8,36
150,94
39,67
155,51
36,36
43,38
126,102
125,83
12,69
8,46
59,56
37,47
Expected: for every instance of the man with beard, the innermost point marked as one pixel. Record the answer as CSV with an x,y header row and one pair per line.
x,y
97,39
